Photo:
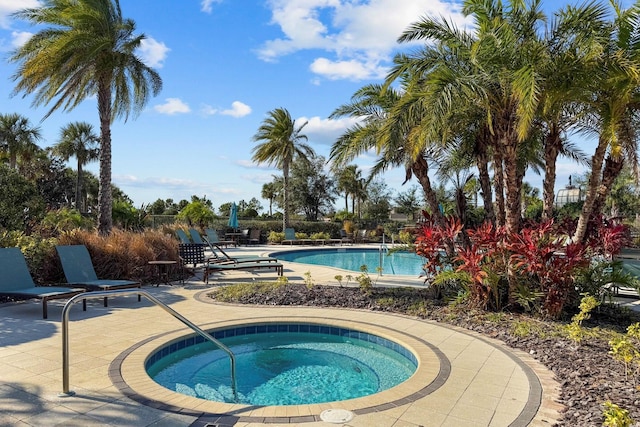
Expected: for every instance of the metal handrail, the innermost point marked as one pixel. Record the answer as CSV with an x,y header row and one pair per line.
x,y
383,248
101,294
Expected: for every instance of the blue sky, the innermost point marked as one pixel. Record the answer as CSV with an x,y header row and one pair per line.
x,y
225,64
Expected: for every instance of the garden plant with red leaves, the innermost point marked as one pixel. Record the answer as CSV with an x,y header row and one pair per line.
x,y
501,270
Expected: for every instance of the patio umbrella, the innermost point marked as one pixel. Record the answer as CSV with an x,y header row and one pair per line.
x,y
233,216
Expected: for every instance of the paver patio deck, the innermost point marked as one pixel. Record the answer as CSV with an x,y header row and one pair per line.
x,y
463,379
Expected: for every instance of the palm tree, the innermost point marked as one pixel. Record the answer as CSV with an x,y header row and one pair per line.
x,y
281,144
17,137
347,177
614,101
270,191
78,140
388,135
573,46
495,69
88,49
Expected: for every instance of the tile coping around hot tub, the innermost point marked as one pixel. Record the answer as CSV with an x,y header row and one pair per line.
x,y
128,373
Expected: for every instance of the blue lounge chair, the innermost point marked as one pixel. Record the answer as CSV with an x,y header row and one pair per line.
x,y
212,237
212,267
182,236
220,256
195,236
16,281
78,269
290,238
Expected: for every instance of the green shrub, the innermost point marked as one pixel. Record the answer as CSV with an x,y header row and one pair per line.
x,y
615,416
320,236
275,237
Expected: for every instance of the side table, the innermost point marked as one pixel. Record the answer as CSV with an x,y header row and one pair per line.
x,y
163,268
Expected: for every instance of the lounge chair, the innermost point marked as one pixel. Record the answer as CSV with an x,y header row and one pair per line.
x,y
290,238
254,236
196,237
192,253
212,237
344,237
182,236
79,271
220,256
212,267
16,281
362,236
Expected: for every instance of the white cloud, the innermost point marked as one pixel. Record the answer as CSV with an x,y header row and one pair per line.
x,y
18,38
207,5
172,106
325,131
238,109
7,7
352,69
153,52
354,32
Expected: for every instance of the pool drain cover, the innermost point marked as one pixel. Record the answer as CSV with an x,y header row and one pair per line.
x,y
336,416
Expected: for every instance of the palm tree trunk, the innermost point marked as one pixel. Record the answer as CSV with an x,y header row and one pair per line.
x,y
612,168
79,188
420,169
551,151
513,184
105,199
592,190
498,185
482,163
285,185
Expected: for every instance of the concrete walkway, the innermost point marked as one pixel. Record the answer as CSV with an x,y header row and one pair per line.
x,y
462,378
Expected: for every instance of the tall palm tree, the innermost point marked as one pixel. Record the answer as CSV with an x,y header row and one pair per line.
x,y
574,43
78,140
86,49
281,144
391,138
615,98
17,137
494,69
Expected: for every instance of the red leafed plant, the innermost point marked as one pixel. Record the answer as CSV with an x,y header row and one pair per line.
x,y
537,262
430,242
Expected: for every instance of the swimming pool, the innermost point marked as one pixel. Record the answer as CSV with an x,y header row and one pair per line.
x,y
392,263
283,364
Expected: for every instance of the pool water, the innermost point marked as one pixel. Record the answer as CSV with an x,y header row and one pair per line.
x,y
284,369
393,263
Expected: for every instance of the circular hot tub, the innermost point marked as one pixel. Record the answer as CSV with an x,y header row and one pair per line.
x,y
282,364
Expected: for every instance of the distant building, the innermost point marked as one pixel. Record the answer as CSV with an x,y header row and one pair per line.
x,y
569,194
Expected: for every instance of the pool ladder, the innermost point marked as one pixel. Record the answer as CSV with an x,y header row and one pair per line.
x,y
384,249
101,294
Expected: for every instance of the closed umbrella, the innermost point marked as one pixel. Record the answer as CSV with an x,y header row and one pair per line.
x,y
233,217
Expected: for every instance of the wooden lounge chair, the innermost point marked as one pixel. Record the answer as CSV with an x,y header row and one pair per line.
x,y
79,271
16,281
212,267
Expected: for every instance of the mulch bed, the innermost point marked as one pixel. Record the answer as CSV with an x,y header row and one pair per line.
x,y
588,374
